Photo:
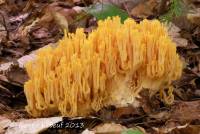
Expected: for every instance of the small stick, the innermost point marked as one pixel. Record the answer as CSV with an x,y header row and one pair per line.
x,y
5,26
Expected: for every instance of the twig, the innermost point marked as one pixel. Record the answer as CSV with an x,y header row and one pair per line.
x,y
16,53
1,30
5,26
125,6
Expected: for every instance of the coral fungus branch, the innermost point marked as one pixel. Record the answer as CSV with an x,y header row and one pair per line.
x,y
109,66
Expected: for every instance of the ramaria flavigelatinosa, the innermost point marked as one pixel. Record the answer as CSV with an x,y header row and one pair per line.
x,y
111,65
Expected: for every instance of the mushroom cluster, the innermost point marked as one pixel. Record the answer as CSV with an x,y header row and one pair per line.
x,y
109,66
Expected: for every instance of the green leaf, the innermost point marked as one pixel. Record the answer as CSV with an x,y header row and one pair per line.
x,y
103,10
129,131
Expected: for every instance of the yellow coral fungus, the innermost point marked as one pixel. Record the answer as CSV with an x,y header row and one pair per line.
x,y
109,66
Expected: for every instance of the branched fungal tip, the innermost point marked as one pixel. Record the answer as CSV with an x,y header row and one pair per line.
x,y
109,66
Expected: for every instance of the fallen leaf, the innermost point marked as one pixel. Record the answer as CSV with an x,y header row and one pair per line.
x,y
194,16
168,129
103,10
109,128
87,132
124,111
2,2
3,109
73,125
62,21
41,33
185,111
128,5
181,114
63,16
145,9
174,33
22,34
18,18
14,71
190,129
31,126
23,60
132,131
183,23
196,36
4,123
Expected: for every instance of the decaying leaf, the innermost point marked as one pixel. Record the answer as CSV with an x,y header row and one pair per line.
x,y
31,126
169,129
186,111
2,2
61,21
23,60
14,71
4,123
180,117
18,18
41,33
194,16
133,131
103,10
113,128
127,5
145,9
174,33
109,128
2,33
189,129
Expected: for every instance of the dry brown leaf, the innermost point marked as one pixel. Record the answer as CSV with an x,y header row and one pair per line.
x,y
168,129
119,112
2,36
22,61
174,33
75,1
127,4
61,20
190,129
41,33
194,16
3,108
18,18
196,35
181,115
186,111
186,82
22,34
4,123
87,132
38,31
3,33
109,128
145,9
33,126
63,16
21,74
